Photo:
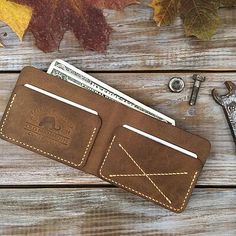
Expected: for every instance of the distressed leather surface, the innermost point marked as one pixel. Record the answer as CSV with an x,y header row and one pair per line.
x,y
99,145
50,127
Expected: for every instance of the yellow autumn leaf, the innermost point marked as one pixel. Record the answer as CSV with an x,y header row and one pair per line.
x,y
200,17
17,17
165,11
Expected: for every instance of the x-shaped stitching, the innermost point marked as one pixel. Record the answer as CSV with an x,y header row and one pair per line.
x,y
147,175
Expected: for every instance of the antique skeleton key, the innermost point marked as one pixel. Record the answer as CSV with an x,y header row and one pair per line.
x,y
228,102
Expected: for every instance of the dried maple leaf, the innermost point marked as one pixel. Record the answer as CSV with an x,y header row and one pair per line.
x,y
111,4
52,18
200,17
17,17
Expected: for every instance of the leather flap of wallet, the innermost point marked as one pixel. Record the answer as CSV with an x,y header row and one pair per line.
x,y
50,127
153,170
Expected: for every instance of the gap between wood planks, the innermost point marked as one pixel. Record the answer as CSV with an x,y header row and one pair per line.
x,y
141,71
94,186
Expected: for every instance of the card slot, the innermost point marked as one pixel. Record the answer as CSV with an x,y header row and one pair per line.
x,y
192,145
50,127
150,169
161,141
52,95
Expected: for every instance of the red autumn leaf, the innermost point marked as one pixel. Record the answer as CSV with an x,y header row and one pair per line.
x,y
52,18
111,4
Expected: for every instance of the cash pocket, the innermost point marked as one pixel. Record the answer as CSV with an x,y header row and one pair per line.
x,y
157,170
50,125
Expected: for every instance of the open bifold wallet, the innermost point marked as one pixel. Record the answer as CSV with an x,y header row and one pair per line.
x,y
125,147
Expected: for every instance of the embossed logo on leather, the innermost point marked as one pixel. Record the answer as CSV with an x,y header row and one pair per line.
x,y
49,122
50,125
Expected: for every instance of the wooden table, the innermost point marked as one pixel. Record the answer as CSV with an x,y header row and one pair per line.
x,y
39,196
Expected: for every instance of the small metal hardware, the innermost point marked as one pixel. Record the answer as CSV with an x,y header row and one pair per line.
x,y
198,79
228,102
176,84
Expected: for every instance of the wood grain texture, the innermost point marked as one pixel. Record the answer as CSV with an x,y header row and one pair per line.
x,y
19,166
99,212
136,44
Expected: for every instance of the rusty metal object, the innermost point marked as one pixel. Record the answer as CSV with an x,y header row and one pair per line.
x,y
198,79
176,84
228,102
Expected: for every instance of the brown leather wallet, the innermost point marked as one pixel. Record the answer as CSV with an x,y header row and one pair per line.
x,y
132,150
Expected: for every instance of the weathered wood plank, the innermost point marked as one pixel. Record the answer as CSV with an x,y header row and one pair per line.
x,y
112,212
136,44
19,166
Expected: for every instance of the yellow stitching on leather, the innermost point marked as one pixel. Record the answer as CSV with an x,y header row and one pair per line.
x,y
87,148
132,159
139,193
149,174
37,149
7,113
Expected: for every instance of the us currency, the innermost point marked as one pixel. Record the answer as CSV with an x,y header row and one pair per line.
x,y
71,74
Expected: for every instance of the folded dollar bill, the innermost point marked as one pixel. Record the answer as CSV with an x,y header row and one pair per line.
x,y
73,75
